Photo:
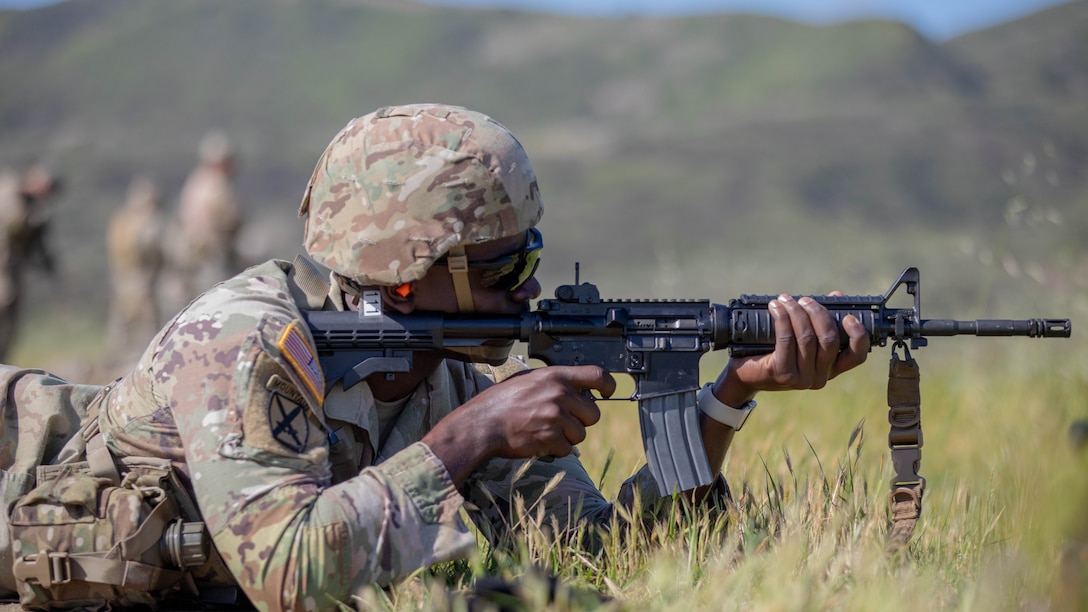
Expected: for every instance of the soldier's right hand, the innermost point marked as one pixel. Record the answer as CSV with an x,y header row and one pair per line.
x,y
534,413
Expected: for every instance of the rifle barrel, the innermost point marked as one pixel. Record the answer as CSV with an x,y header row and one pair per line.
x,y
749,330
1032,328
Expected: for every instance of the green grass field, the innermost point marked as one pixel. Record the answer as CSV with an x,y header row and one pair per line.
x,y
1002,506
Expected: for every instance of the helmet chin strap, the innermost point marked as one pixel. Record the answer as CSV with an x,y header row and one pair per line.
x,y
458,267
457,263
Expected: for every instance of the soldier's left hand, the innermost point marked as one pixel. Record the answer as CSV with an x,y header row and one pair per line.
x,y
807,350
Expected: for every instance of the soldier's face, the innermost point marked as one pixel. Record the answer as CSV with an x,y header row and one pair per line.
x,y
435,291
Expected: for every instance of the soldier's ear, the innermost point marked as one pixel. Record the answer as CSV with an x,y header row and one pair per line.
x,y
401,298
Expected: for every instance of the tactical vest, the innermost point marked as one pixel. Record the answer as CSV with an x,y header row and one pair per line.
x,y
82,530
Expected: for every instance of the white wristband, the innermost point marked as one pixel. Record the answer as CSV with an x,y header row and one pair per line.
x,y
726,415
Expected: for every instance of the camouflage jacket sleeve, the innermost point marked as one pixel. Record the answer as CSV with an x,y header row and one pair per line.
x,y
245,395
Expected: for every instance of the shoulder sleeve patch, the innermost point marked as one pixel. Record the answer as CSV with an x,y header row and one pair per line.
x,y
278,384
300,355
288,422
277,418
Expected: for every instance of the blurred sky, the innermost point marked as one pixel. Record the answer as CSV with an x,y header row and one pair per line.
x,y
937,19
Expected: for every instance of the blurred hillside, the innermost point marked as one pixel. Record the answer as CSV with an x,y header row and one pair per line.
x,y
689,157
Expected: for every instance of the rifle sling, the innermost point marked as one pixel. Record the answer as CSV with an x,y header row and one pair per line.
x,y
905,442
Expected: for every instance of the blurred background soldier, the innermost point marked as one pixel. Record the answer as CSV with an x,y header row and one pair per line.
x,y
135,256
38,189
202,245
24,221
11,215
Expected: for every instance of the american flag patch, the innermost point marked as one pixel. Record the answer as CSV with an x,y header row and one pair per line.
x,y
294,347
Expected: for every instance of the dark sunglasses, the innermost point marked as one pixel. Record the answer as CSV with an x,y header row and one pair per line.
x,y
509,272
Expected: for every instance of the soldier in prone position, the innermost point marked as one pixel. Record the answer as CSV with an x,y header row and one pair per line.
x,y
310,492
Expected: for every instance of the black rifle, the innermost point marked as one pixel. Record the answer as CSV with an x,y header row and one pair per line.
x,y
657,342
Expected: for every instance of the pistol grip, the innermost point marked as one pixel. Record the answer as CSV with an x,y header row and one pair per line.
x,y
550,458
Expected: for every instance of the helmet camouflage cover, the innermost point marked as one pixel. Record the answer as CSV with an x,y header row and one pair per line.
x,y
398,188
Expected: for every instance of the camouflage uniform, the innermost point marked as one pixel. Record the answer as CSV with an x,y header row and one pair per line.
x,y
305,498
38,414
133,244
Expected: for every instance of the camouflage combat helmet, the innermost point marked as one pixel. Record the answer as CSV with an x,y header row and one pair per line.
x,y
400,187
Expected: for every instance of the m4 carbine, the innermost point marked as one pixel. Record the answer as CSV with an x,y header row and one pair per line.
x,y
657,342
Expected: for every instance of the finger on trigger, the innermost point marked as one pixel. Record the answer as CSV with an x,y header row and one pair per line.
x,y
591,377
